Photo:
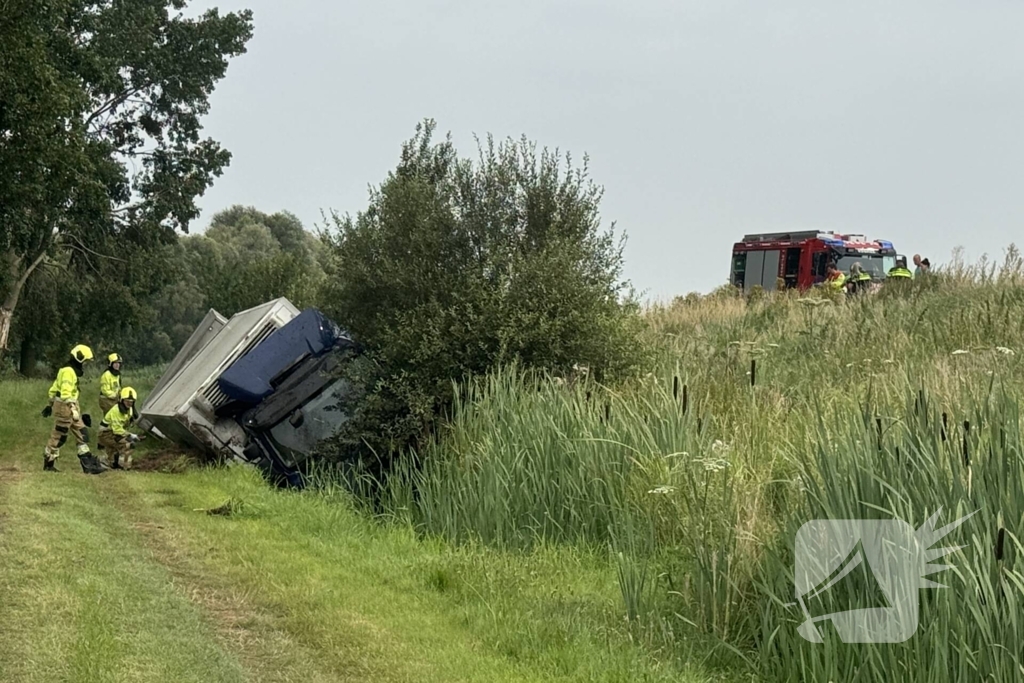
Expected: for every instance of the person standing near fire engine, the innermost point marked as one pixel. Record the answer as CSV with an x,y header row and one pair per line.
x,y
68,416
859,279
836,279
110,384
900,270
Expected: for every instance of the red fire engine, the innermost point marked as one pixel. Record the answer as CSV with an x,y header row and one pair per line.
x,y
801,259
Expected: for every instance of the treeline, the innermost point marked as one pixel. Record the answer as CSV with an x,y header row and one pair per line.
x,y
144,300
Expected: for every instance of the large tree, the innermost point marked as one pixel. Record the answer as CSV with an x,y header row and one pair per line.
x,y
458,267
100,135
247,257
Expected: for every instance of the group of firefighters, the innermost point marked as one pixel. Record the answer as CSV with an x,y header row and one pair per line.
x,y
858,280
117,405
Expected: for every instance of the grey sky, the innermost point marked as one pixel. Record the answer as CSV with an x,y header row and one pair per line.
x,y
703,120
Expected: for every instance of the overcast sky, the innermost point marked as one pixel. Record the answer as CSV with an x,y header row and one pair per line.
x,y
703,120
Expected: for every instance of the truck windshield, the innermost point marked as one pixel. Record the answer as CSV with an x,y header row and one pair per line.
x,y
874,264
321,418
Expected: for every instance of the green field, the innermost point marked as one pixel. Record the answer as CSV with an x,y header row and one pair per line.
x,y
124,577
565,531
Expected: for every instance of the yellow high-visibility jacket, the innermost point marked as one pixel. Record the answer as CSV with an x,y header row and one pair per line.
x,y
110,385
65,387
117,421
837,282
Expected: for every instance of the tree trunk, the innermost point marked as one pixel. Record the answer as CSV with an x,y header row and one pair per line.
x,y
29,358
18,274
6,315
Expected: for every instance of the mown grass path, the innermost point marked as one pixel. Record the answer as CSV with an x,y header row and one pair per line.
x,y
124,577
119,578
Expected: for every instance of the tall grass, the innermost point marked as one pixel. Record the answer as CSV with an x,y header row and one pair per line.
x,y
760,416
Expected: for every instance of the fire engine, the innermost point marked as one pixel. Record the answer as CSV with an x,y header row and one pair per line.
x,y
801,259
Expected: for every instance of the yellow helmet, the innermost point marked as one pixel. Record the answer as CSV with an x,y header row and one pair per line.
x,y
129,394
114,358
81,353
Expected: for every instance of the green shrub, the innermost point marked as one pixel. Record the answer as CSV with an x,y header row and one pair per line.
x,y
458,267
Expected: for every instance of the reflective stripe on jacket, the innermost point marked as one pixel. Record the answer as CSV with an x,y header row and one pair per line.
x,y
900,272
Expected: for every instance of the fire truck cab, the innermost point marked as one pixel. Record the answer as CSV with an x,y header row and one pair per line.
x,y
800,259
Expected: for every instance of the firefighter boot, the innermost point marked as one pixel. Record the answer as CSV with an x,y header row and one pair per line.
x,y
90,465
50,461
117,462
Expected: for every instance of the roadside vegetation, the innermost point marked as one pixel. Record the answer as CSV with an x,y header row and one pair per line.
x,y
760,416
558,528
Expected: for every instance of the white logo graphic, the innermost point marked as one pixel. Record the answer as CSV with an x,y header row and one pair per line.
x,y
888,553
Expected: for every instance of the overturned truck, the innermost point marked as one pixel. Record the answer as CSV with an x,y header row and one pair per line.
x,y
260,388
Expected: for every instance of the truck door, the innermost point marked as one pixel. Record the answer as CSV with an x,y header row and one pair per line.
x,y
819,267
791,274
755,268
739,268
770,274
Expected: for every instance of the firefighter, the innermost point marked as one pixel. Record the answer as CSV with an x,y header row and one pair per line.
x,y
68,416
110,384
114,434
859,279
836,280
900,270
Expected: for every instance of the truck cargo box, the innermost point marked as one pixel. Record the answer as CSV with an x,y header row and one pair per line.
x,y
184,405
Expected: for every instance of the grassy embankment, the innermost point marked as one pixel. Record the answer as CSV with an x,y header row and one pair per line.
x,y
123,577
695,480
760,417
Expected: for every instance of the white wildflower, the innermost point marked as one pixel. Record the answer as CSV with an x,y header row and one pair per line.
x,y
849,365
715,464
1004,350
662,490
960,352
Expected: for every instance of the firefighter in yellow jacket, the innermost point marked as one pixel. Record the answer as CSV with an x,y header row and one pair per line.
x,y
68,415
114,435
110,384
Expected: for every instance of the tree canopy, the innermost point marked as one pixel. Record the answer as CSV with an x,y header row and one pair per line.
x,y
100,134
457,267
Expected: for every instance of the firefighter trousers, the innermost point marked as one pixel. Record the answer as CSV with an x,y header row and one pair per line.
x,y
118,449
106,404
67,419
